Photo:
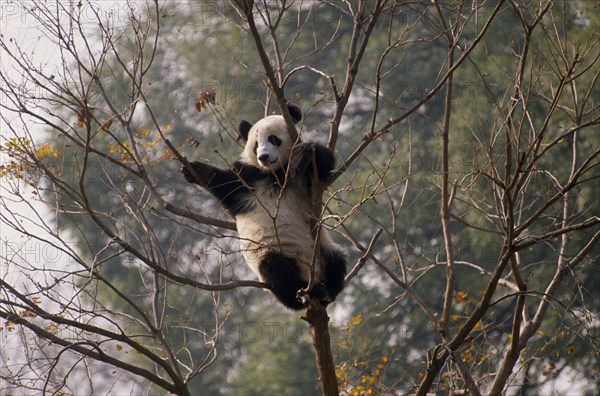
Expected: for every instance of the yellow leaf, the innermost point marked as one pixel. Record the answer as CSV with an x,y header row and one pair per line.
x,y
119,347
356,320
167,127
46,151
460,296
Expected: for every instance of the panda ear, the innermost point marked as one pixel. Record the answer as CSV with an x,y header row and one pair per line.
x,y
295,112
243,130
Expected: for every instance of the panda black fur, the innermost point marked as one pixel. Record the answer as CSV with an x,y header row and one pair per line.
x,y
272,211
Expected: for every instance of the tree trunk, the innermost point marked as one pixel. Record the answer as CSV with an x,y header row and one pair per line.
x,y
318,320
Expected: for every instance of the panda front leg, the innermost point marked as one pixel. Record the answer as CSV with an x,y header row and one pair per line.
x,y
225,185
307,154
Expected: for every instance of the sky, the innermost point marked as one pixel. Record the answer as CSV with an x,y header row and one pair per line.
x,y
16,26
19,27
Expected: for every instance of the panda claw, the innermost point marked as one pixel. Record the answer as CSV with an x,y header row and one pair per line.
x,y
319,292
187,174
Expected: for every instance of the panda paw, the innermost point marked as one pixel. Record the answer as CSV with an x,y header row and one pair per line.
x,y
189,176
302,155
307,155
319,292
323,295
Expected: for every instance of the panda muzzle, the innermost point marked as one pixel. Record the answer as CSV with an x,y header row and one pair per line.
x,y
265,160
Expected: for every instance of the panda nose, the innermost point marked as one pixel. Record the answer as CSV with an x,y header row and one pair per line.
x,y
263,158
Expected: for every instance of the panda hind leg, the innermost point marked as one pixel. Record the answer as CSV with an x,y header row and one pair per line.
x,y
282,275
334,271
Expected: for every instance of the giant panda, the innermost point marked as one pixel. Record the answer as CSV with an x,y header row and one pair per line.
x,y
269,197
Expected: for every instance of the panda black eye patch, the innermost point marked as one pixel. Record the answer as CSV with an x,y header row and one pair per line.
x,y
274,140
255,147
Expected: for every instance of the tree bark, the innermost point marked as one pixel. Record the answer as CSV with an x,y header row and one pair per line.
x,y
318,321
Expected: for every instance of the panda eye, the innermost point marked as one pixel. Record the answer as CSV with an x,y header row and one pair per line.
x,y
274,140
255,147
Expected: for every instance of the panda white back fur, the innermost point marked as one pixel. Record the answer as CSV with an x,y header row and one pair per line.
x,y
269,197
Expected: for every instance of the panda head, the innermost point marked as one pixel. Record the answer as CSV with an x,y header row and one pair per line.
x,y
268,143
